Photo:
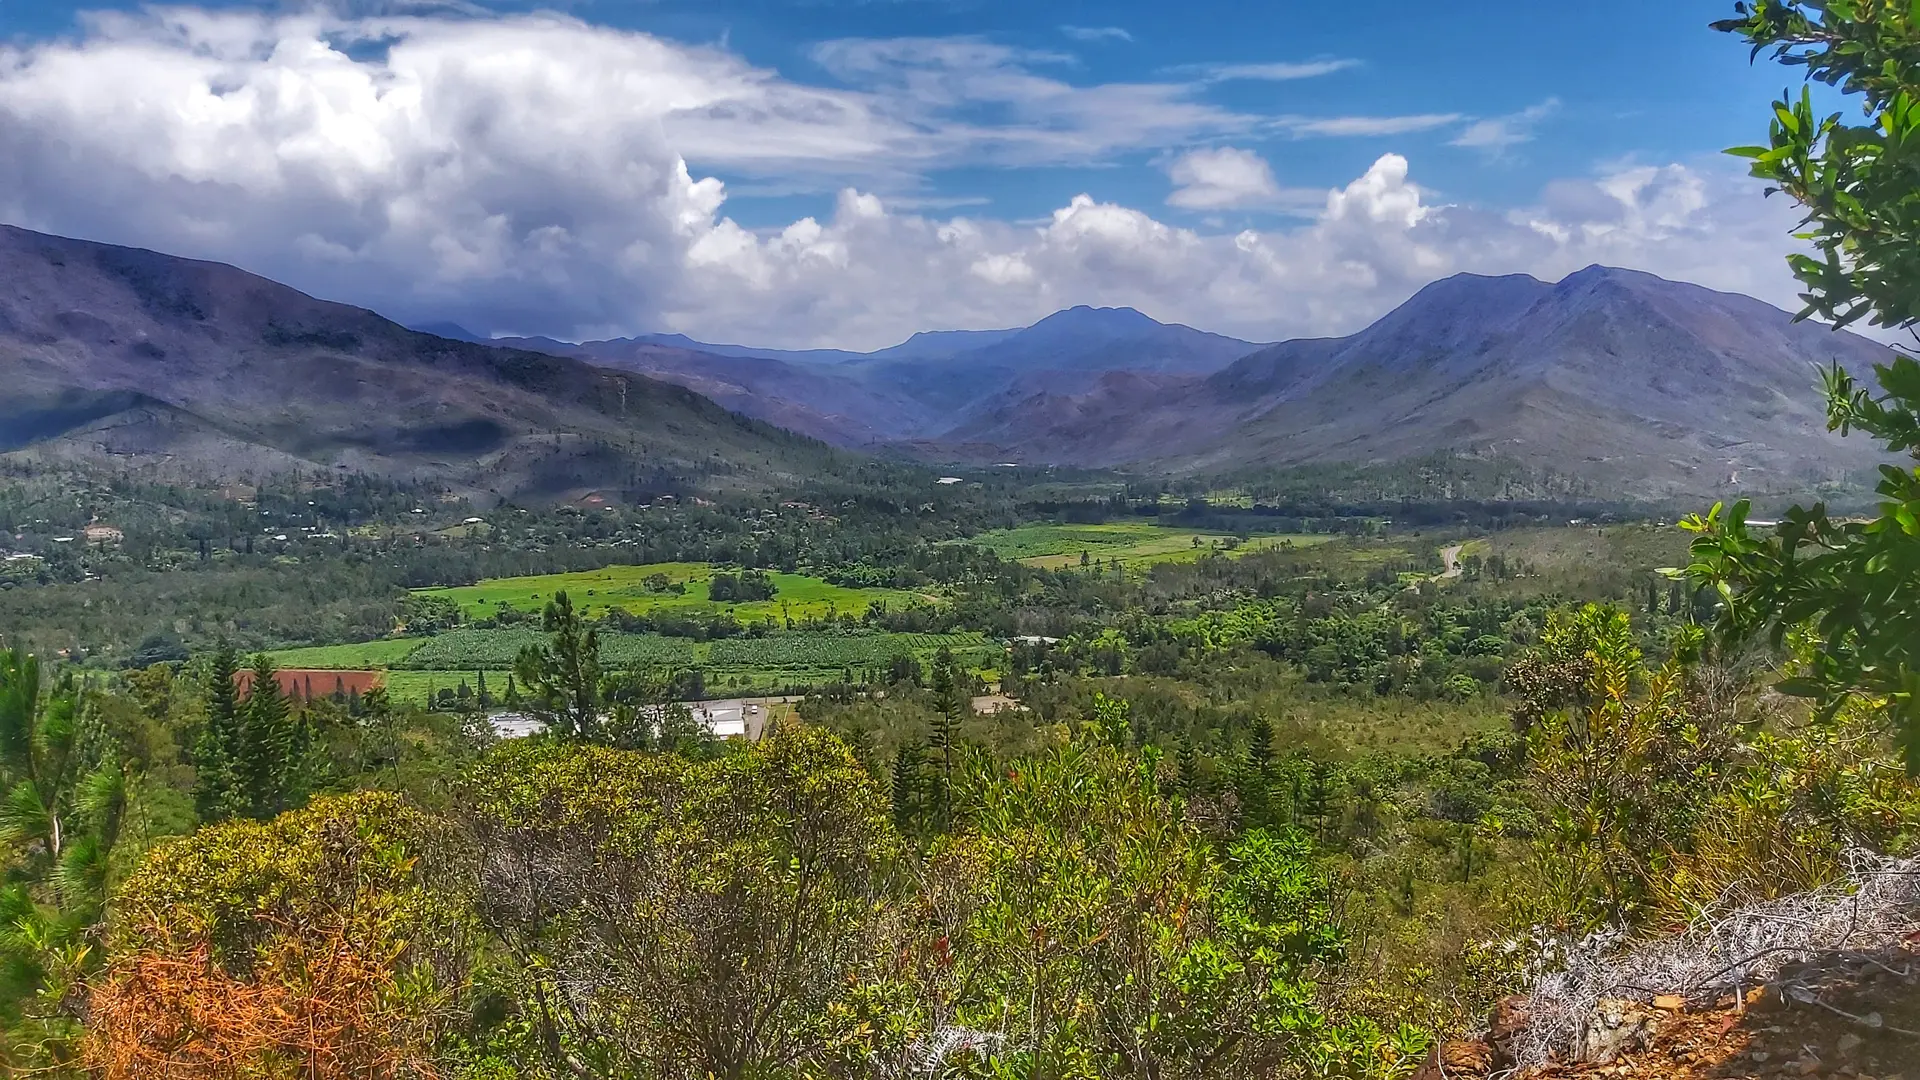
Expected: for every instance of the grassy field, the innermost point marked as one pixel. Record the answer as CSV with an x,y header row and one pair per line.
x,y
419,666
1133,543
368,654
594,591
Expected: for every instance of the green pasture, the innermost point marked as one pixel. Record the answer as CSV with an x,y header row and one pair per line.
x,y
416,667
593,592
1133,543
388,652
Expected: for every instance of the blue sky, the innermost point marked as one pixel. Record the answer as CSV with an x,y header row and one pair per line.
x,y
1519,127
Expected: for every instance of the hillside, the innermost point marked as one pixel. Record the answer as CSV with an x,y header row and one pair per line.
x,y
133,359
1656,386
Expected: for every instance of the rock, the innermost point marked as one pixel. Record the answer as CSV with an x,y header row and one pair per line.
x,y
1616,1028
1509,1020
1850,1042
1456,1060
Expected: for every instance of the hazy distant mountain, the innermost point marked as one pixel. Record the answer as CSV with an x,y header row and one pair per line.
x,y
917,388
813,400
1614,374
129,358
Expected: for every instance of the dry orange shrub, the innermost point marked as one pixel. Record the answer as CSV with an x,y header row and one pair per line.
x,y
317,1010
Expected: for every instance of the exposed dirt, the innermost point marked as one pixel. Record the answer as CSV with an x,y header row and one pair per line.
x,y
1854,1017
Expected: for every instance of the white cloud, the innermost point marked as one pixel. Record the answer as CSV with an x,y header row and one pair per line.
x,y
532,174
1364,126
1497,134
1277,71
1097,33
1228,178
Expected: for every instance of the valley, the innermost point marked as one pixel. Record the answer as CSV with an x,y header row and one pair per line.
x,y
1511,675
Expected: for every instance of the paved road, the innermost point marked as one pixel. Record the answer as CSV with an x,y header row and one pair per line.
x,y
1450,556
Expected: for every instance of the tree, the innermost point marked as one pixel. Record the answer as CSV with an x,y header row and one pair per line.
x,y
1080,916
218,791
264,751
562,677
321,944
1256,774
948,700
1856,584
64,794
686,919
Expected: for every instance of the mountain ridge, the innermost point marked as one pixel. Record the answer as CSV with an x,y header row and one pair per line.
x,y
129,358
1667,387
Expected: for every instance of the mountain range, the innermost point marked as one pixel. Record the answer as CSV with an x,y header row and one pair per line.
x,y
914,390
1652,387
201,372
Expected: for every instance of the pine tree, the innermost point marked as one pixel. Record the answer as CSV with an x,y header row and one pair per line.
x,y
480,690
945,734
907,789
1189,762
1256,774
216,792
262,754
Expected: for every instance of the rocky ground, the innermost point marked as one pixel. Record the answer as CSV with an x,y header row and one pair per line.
x,y
1855,1017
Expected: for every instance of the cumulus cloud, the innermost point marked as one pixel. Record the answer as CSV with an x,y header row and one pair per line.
x,y
1497,134
536,174
1092,34
1228,178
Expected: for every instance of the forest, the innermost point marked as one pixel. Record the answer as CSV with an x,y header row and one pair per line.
x,y
1294,775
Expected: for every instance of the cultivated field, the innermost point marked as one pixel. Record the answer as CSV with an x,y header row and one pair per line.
x,y
417,667
1133,543
798,596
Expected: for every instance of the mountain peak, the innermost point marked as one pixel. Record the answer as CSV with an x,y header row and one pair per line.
x,y
1084,318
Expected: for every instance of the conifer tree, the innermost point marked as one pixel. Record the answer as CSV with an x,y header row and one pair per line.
x,y
1256,774
217,793
945,734
262,754
908,789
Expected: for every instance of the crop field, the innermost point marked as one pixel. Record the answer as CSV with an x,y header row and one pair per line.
x,y
813,652
466,650
418,667
593,592
1133,543
388,652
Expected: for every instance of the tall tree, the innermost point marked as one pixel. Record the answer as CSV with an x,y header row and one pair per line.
x,y
563,676
264,753
945,734
1854,585
217,790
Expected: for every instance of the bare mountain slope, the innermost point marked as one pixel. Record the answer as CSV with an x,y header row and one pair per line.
x,y
128,357
1662,387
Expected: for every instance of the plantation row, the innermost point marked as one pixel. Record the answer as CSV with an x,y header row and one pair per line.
x,y
468,650
816,651
496,650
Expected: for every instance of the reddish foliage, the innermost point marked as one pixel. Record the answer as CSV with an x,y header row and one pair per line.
x,y
317,1011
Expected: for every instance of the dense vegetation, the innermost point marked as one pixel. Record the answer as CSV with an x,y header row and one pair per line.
x,y
1135,781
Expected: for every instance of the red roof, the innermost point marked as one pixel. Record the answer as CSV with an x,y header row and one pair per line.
x,y
310,683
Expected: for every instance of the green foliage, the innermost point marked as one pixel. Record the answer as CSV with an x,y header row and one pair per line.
x,y
1659,790
1077,913
249,759
676,919
1855,181
1856,584
562,677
